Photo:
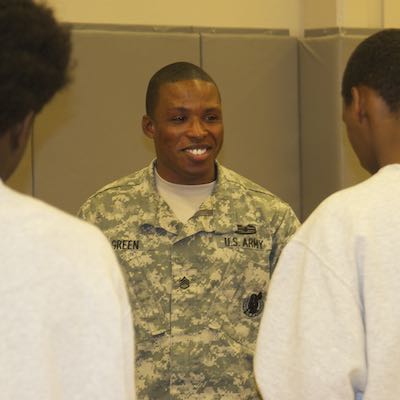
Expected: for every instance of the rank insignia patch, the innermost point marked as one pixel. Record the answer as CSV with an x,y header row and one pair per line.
x,y
253,305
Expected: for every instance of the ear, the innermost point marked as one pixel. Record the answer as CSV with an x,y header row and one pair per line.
x,y
358,104
148,126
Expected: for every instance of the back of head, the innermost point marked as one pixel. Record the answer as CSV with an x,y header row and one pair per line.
x,y
34,59
375,63
176,72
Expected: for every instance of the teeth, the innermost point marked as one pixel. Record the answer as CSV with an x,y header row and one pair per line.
x,y
196,152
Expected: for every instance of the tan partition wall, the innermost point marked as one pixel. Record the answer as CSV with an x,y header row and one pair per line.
x,y
327,159
281,102
91,133
258,78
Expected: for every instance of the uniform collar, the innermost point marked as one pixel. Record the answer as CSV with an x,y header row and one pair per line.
x,y
157,212
218,213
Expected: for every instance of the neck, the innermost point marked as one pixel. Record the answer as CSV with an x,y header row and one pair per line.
x,y
388,143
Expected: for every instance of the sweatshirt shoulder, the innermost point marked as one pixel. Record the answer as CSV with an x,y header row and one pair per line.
x,y
45,225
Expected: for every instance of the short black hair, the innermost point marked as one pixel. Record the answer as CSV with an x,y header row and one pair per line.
x,y
375,63
34,59
175,72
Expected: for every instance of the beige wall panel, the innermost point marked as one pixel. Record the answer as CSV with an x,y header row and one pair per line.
x,y
257,76
391,13
319,14
91,133
21,179
221,13
321,134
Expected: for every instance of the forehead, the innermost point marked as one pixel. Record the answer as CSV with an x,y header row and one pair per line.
x,y
189,92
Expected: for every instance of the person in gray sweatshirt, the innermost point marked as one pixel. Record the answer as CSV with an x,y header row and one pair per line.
x,y
331,328
66,327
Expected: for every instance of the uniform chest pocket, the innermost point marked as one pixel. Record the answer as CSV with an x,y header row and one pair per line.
x,y
147,281
239,301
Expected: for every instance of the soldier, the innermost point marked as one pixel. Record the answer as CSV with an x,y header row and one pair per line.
x,y
66,328
198,243
332,326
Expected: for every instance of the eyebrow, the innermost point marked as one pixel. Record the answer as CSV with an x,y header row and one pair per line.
x,y
177,109
216,108
183,109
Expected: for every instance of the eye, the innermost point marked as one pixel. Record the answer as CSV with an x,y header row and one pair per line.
x,y
212,117
178,118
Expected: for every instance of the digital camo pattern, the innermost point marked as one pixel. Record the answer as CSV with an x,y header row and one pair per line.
x,y
197,289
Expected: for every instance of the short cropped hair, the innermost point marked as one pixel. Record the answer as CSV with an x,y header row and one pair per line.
x,y
176,72
375,63
34,59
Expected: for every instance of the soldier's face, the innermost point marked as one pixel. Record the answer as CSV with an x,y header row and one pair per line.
x,y
187,130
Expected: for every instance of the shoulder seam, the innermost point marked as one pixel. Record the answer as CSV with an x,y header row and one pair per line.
x,y
256,187
111,186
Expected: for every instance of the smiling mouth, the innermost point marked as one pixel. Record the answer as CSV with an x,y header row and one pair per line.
x,y
197,151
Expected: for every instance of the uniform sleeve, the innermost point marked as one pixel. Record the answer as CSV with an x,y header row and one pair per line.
x,y
85,212
311,340
286,228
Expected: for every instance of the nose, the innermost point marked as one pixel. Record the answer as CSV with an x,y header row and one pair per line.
x,y
197,128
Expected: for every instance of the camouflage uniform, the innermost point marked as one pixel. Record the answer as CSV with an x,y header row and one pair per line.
x,y
197,289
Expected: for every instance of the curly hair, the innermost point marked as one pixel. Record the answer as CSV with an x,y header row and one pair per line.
x,y
34,59
375,63
175,72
